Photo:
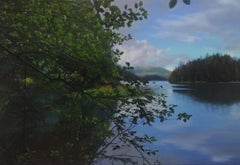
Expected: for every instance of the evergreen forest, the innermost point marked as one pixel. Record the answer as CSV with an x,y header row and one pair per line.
x,y
214,68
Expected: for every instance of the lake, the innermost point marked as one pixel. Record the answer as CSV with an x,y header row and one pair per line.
x,y
211,136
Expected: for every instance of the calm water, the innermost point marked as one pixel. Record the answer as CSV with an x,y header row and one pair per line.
x,y
212,136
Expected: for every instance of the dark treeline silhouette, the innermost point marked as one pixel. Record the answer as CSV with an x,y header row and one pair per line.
x,y
215,68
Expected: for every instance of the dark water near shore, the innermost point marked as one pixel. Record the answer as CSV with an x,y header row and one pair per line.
x,y
212,136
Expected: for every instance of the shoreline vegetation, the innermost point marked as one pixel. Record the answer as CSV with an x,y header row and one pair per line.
x,y
206,82
217,68
62,84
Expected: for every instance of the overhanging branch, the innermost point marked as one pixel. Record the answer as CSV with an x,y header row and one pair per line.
x,y
24,61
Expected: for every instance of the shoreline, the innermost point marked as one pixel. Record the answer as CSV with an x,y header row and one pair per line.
x,y
205,82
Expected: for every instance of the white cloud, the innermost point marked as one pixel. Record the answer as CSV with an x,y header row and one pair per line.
x,y
231,3
189,38
202,25
218,19
141,53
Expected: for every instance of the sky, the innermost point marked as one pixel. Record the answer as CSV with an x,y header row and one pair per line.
x,y
186,32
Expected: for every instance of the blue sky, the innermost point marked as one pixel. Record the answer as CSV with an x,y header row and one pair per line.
x,y
186,32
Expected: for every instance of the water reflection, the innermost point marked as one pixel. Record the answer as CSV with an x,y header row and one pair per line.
x,y
37,130
208,143
214,93
211,136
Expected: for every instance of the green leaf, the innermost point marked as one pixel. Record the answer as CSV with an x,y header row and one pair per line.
x,y
187,2
128,64
136,5
172,3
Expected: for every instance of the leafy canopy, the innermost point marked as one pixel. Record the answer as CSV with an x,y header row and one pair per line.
x,y
64,94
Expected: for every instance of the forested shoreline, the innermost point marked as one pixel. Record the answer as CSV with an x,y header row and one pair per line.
x,y
214,68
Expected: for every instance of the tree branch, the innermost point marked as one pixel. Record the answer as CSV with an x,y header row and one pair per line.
x,y
24,61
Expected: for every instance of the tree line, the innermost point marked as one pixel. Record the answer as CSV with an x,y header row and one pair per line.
x,y
214,68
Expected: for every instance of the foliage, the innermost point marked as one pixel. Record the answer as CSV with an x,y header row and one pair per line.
x,y
172,3
215,68
64,99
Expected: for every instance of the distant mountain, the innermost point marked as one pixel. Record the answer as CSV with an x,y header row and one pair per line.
x,y
152,73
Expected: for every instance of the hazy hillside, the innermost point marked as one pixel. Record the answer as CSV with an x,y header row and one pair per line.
x,y
152,73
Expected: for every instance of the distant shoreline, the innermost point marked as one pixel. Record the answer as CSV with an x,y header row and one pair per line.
x,y
205,82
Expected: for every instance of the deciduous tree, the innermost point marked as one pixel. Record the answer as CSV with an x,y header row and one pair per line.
x,y
65,99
